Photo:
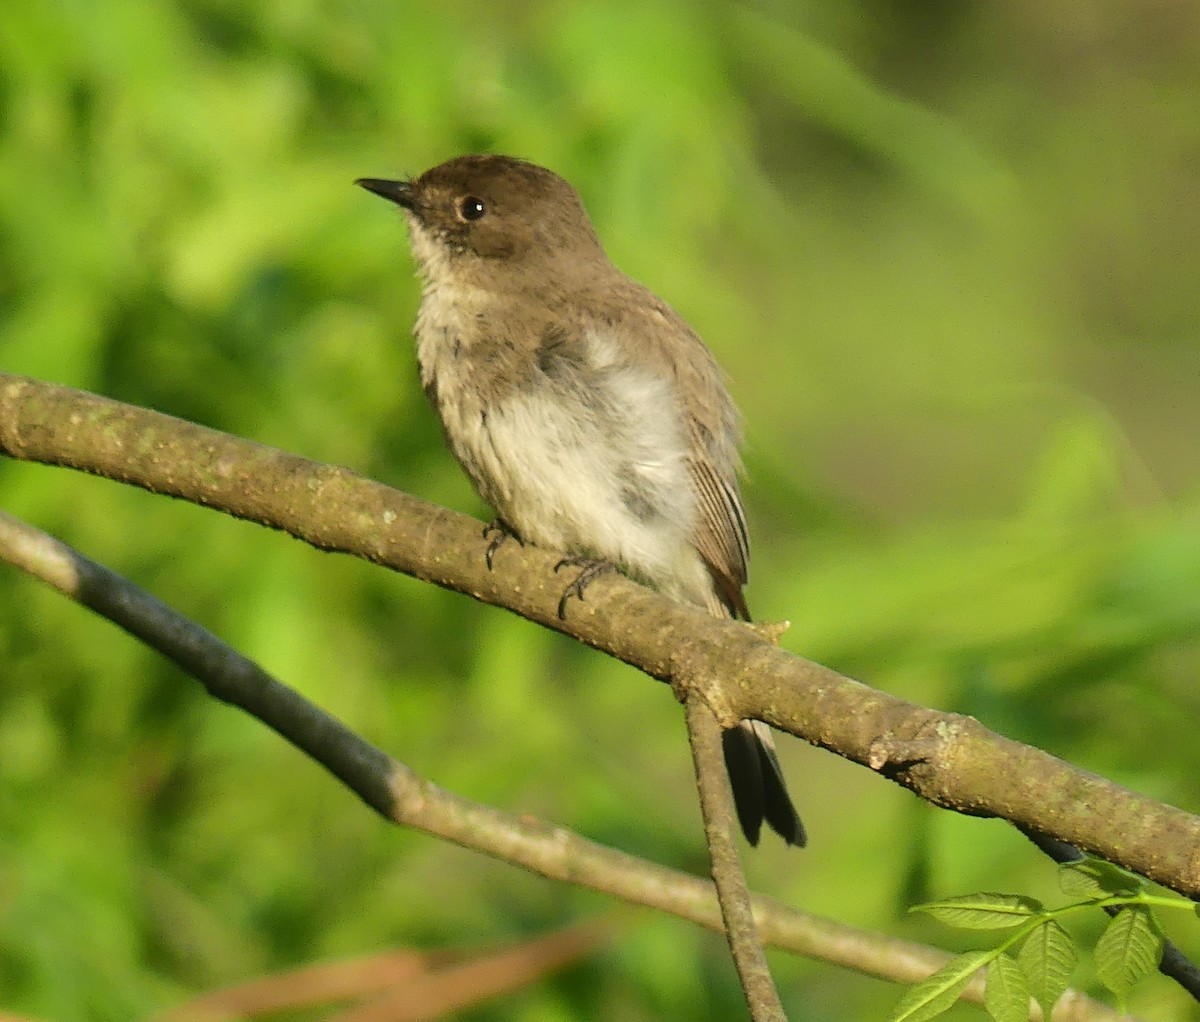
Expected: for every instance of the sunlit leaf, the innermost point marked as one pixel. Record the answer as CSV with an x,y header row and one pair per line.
x,y
1095,878
1128,950
982,911
1006,995
931,997
1047,958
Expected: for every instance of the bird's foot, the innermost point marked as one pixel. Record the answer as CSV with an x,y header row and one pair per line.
x,y
592,569
499,530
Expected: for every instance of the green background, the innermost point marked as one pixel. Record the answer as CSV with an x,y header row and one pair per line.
x,y
948,254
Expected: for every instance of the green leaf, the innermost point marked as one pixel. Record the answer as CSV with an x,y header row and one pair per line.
x,y
1129,949
1006,995
982,911
933,996
1047,958
1095,878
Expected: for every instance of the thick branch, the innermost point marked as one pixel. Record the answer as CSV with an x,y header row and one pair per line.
x,y
950,760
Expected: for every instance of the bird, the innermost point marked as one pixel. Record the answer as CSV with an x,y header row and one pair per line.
x,y
583,408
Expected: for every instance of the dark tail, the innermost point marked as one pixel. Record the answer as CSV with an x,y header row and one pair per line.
x,y
758,789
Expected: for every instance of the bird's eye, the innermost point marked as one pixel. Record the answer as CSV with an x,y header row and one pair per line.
x,y
471,208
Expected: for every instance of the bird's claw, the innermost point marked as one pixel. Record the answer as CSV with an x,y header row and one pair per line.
x,y
499,530
591,570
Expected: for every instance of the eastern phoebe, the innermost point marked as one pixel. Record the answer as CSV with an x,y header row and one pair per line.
x,y
584,409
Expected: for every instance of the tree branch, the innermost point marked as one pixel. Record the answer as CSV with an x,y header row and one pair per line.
x,y
948,759
400,795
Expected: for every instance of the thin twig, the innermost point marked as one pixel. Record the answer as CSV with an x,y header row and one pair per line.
x,y
716,806
402,796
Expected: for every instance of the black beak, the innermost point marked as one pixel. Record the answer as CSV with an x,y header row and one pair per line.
x,y
399,192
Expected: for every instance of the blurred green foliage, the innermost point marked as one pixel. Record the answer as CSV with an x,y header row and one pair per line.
x,y
947,253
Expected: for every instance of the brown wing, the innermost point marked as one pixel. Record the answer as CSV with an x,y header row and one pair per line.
x,y
665,342
714,431
720,534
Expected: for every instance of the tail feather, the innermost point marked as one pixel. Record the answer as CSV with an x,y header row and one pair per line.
x,y
759,791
